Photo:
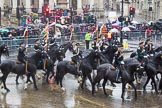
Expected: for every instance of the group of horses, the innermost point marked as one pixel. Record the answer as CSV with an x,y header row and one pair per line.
x,y
101,61
90,60
33,62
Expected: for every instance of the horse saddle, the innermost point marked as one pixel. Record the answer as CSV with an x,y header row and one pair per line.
x,y
112,67
72,63
18,62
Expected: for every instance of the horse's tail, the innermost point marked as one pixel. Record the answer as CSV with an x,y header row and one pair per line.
x,y
160,84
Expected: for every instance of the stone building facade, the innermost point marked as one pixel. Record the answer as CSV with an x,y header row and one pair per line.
x,y
150,9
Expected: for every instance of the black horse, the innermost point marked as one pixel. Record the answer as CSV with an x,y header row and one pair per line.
x,y
3,50
86,65
109,52
8,66
106,72
136,67
152,67
36,59
90,62
67,46
64,67
58,52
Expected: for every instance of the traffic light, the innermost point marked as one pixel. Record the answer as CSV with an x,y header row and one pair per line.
x,y
46,11
132,10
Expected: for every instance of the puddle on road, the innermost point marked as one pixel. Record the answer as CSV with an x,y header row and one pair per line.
x,y
71,86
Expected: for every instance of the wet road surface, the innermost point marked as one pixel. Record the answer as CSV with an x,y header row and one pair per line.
x,y
52,96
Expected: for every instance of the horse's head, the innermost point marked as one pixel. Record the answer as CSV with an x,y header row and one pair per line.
x,y
40,55
70,46
60,54
110,51
158,59
4,50
159,49
98,55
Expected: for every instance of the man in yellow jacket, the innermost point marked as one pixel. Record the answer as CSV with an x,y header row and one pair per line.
x,y
87,39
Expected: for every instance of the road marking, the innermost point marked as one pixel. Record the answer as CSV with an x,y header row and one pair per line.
x,y
92,102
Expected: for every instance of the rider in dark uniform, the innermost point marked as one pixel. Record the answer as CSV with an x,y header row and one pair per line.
x,y
76,56
38,46
21,53
118,61
149,48
141,52
94,44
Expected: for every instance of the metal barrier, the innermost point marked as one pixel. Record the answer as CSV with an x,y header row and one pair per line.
x,y
135,37
14,42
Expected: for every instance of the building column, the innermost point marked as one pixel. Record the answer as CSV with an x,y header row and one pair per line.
x,y
41,3
79,6
28,6
14,6
160,16
51,4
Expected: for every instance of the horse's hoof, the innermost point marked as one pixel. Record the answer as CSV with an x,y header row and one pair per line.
x,y
25,86
157,92
114,85
36,89
17,83
29,82
63,89
7,90
2,87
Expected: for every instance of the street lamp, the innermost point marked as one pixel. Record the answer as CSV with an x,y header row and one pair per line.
x,y
121,32
18,11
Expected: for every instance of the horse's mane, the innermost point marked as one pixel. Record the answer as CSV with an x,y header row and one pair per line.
x,y
87,53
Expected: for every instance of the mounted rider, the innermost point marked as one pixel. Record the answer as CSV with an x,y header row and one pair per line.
x,y
141,52
21,53
76,56
39,47
100,44
118,61
149,48
94,44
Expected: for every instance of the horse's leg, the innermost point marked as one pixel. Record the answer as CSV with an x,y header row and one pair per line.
x,y
96,80
17,77
153,80
34,81
4,82
157,77
152,84
123,91
90,78
135,91
135,75
83,81
103,84
144,87
48,72
113,84
28,78
61,78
